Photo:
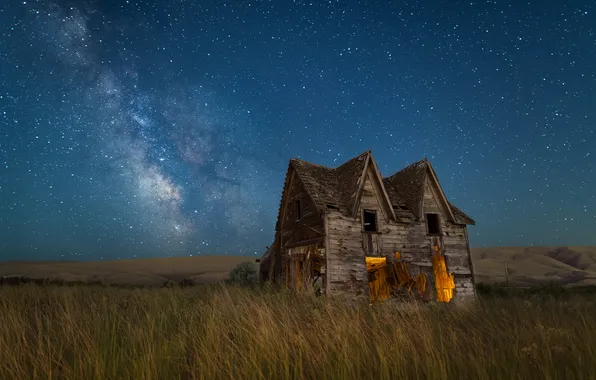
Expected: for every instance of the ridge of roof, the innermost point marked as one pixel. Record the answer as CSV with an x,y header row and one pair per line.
x,y
300,160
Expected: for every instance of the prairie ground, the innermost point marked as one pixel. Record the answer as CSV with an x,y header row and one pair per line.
x,y
148,271
225,332
526,266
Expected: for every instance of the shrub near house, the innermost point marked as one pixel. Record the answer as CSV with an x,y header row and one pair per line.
x,y
244,274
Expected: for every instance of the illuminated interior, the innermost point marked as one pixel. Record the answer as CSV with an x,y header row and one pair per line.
x,y
443,281
384,278
379,288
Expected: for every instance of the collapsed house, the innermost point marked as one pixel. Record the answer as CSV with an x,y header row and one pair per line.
x,y
349,231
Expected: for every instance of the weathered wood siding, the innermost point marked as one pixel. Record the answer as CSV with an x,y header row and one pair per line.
x,y
346,266
454,239
310,214
301,259
347,244
293,231
391,236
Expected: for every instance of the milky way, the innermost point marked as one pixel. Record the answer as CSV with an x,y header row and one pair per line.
x,y
165,128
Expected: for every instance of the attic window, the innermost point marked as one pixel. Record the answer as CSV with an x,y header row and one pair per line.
x,y
370,220
298,209
432,222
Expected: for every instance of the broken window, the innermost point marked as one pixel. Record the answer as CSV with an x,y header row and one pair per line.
x,y
432,222
298,210
370,221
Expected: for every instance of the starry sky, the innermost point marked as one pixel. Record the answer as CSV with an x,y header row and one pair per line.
x,y
153,128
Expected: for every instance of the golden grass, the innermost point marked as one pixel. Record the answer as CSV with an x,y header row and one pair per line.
x,y
223,332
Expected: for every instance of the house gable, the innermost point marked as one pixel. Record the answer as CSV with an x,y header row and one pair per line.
x,y
411,183
307,209
431,202
432,187
371,199
299,217
370,187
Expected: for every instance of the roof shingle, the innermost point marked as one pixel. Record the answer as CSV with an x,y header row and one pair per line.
x,y
409,184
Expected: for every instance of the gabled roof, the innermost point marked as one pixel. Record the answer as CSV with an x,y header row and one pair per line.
x,y
320,182
336,187
409,185
340,187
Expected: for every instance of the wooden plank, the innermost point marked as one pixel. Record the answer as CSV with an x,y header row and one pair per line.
x,y
449,252
471,262
327,250
305,242
456,269
454,241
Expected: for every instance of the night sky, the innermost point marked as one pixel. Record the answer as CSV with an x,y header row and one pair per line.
x,y
157,128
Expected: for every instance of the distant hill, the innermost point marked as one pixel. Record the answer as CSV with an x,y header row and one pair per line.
x,y
536,265
527,266
153,271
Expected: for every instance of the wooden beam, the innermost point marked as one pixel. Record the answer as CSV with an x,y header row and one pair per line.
x,y
360,187
305,242
470,261
382,187
284,203
326,278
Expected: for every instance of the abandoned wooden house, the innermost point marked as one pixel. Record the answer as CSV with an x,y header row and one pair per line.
x,y
349,231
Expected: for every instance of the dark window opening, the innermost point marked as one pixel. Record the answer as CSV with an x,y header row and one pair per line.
x,y
298,210
432,221
370,221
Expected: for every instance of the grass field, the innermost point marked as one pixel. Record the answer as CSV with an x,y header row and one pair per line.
x,y
219,332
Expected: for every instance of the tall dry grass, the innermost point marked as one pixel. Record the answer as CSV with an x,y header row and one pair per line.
x,y
231,333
